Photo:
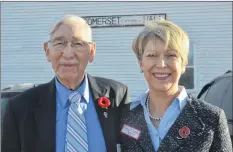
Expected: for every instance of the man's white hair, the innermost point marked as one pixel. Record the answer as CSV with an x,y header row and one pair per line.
x,y
72,19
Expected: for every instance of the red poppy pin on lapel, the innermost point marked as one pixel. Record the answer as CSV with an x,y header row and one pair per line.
x,y
184,132
104,102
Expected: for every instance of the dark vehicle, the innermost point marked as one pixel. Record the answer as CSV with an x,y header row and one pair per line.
x,y
219,92
12,91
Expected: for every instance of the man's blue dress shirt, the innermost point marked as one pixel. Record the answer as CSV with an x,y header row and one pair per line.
x,y
94,131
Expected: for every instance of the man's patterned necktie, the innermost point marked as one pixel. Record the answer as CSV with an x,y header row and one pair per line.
x,y
76,137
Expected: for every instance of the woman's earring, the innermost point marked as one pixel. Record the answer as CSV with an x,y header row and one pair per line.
x,y
141,71
90,63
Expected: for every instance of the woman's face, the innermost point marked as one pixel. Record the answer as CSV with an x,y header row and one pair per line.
x,y
162,68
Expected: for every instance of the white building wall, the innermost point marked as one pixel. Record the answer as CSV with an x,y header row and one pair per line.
x,y
24,27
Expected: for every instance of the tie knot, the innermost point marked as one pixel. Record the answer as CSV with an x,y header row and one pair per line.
x,y
75,97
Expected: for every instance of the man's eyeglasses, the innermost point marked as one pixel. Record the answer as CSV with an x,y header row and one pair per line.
x,y
77,45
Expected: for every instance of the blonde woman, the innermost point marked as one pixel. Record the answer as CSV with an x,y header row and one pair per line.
x,y
166,118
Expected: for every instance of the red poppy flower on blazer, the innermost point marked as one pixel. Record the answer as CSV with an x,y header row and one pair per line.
x,y
104,102
184,132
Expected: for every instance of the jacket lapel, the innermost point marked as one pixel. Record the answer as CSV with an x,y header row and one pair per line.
x,y
106,116
188,118
45,118
137,121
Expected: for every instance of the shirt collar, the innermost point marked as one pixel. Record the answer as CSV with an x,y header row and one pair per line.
x,y
64,93
182,97
141,99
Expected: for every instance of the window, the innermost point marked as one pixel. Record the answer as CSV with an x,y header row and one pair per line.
x,y
187,79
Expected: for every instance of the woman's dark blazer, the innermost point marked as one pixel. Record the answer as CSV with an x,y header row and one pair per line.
x,y
207,124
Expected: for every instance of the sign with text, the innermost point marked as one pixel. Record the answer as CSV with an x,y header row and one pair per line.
x,y
121,20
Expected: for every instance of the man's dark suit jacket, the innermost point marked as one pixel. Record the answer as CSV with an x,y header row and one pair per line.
x,y
208,130
29,124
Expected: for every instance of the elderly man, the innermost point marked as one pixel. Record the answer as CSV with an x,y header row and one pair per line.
x,y
73,112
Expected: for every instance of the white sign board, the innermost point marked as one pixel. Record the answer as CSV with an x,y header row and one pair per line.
x,y
121,20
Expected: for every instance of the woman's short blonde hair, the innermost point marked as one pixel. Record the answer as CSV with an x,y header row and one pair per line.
x,y
173,36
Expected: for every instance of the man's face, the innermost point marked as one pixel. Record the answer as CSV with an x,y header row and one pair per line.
x,y
69,51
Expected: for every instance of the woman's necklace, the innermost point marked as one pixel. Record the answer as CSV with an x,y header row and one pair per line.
x,y
147,107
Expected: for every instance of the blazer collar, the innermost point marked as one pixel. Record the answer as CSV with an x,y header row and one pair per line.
x,y
106,116
189,117
97,89
135,119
